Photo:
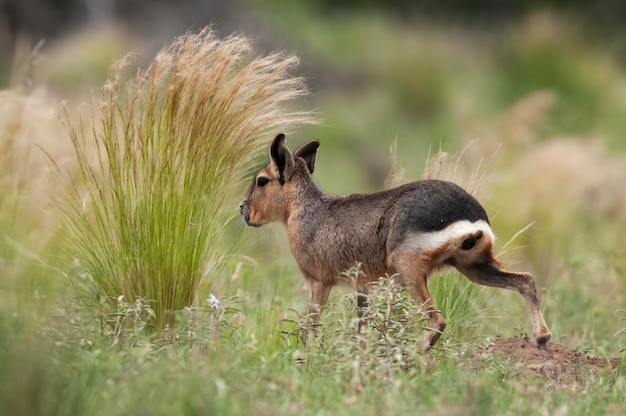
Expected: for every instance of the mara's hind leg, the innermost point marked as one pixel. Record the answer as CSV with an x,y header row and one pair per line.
x,y
414,269
486,271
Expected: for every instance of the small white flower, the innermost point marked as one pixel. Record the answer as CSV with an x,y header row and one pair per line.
x,y
120,298
213,301
137,306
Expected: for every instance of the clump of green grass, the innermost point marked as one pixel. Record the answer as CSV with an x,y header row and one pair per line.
x,y
462,303
388,346
27,386
391,343
168,148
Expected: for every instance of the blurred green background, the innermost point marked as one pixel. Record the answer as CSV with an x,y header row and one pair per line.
x,y
521,102
433,75
527,98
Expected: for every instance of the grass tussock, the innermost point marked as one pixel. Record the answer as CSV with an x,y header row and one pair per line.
x,y
168,148
555,180
388,346
391,342
30,135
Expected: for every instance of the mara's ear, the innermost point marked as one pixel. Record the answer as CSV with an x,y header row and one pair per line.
x,y
308,151
282,157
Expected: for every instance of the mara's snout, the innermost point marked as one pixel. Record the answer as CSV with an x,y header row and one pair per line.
x,y
244,210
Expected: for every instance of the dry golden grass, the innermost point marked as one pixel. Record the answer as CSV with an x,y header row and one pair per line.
x,y
554,176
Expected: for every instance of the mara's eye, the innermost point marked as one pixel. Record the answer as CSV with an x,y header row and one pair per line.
x,y
261,181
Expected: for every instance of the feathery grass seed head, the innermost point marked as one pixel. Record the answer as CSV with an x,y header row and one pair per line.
x,y
169,147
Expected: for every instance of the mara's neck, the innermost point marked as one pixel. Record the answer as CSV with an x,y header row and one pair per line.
x,y
307,200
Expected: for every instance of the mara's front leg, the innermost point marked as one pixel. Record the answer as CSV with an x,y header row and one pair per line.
x,y
319,297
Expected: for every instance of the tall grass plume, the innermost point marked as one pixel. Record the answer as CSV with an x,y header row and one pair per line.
x,y
168,147
30,135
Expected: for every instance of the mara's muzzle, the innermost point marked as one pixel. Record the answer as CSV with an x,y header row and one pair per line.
x,y
244,209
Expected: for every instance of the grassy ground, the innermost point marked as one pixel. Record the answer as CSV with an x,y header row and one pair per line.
x,y
546,107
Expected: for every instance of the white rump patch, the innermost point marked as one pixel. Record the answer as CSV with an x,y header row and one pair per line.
x,y
455,231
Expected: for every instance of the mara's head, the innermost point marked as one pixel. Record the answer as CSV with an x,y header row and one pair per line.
x,y
276,189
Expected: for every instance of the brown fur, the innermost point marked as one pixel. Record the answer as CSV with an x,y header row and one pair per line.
x,y
411,231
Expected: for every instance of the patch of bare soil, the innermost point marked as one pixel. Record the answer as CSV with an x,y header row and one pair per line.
x,y
556,362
